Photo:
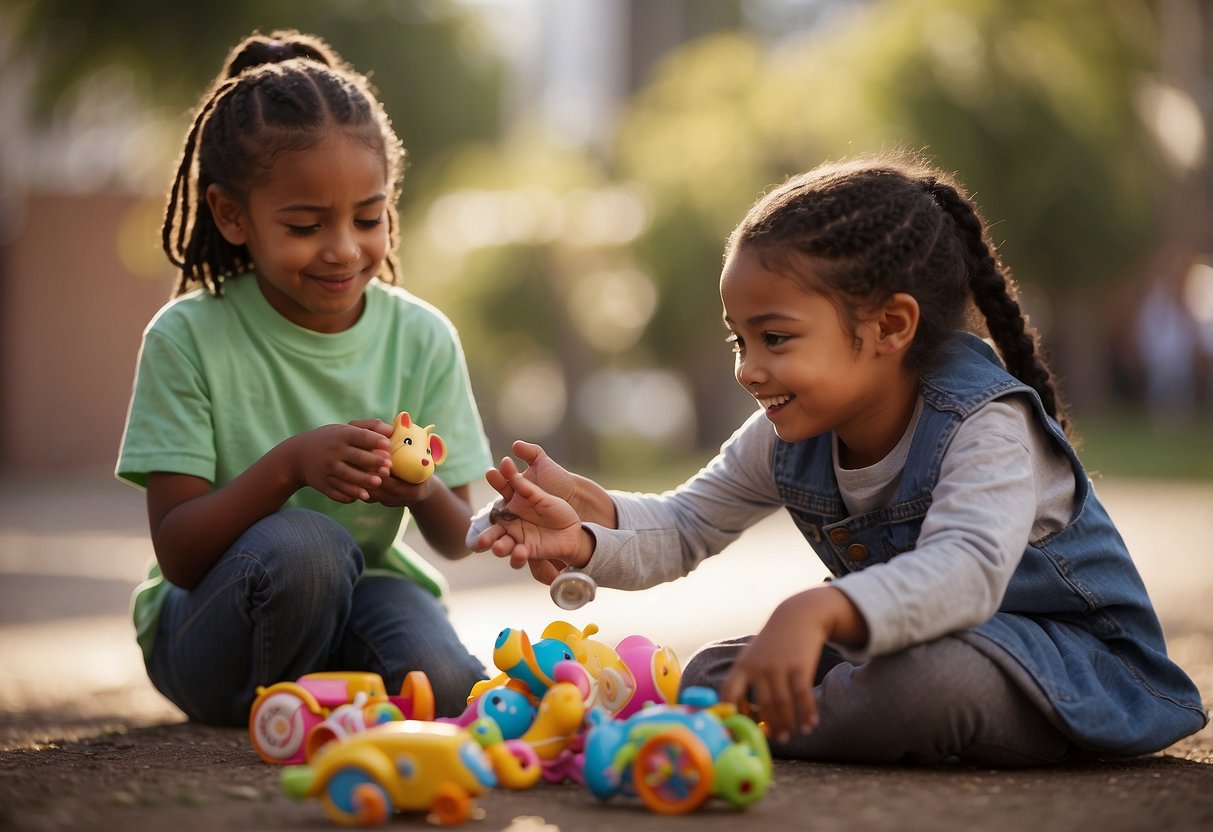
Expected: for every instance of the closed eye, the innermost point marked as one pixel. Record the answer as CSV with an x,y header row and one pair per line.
x,y
302,230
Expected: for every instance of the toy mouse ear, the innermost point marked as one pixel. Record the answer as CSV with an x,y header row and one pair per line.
x,y
437,448
403,420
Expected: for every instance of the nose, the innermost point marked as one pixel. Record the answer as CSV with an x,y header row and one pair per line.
x,y
748,371
342,248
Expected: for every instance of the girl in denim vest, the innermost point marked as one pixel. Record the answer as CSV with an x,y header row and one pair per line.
x,y
983,606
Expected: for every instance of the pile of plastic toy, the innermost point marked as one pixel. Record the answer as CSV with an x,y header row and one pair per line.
x,y
565,708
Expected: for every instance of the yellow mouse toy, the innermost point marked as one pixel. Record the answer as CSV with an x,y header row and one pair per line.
x,y
415,451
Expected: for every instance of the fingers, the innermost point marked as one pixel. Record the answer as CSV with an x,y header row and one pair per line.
x,y
509,468
528,452
786,702
499,483
487,538
526,489
376,425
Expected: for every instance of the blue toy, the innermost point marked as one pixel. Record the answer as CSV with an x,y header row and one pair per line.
x,y
676,756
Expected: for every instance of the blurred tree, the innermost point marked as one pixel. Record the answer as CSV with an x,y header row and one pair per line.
x,y
1032,102
435,75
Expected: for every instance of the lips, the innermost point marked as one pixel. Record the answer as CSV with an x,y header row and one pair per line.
x,y
334,283
770,403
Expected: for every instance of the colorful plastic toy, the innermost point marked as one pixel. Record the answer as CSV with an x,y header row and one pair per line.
x,y
396,767
510,710
677,756
594,655
556,732
524,666
415,451
653,676
515,763
284,716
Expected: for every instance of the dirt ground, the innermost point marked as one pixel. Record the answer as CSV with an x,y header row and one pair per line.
x,y
87,744
98,775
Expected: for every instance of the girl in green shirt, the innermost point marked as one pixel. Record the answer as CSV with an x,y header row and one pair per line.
x,y
259,419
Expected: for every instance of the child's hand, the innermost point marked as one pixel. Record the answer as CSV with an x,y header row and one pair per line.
x,y
342,462
777,670
533,527
541,469
396,492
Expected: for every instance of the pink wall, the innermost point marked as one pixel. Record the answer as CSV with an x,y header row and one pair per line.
x,y
70,319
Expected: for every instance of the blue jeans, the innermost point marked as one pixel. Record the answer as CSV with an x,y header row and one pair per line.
x,y
289,598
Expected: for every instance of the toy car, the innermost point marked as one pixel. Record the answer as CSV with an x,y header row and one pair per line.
x,y
289,721
396,767
676,756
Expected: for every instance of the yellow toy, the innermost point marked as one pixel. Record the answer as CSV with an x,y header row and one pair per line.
x,y
415,451
405,766
595,656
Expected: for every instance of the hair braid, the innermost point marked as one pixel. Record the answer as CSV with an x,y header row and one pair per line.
x,y
863,230
276,93
996,296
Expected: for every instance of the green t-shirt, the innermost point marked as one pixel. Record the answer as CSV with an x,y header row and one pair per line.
x,y
221,381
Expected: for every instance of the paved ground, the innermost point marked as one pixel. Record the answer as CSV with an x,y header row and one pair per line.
x,y
86,743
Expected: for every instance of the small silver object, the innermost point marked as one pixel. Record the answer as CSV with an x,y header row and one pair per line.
x,y
572,589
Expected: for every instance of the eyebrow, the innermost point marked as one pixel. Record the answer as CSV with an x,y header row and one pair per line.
x,y
300,207
764,318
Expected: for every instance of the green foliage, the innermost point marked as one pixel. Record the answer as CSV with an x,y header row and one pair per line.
x,y
435,76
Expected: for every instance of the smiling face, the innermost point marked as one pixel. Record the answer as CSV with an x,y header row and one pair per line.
x,y
808,372
316,228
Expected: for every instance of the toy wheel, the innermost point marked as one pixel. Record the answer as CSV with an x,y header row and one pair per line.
x,y
452,805
672,772
353,797
277,726
420,693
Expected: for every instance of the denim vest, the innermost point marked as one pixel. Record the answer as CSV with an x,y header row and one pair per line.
x,y
1075,617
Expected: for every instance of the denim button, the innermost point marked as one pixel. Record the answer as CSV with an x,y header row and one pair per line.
x,y
857,551
839,535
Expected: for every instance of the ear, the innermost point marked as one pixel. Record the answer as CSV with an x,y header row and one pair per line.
x,y
437,448
402,420
896,322
228,214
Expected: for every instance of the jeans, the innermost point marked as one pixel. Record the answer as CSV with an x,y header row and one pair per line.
x,y
931,703
289,598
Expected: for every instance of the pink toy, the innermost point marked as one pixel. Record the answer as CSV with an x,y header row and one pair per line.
x,y
653,676
415,451
284,716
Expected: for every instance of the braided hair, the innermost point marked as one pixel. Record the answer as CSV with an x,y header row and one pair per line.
x,y
277,92
875,227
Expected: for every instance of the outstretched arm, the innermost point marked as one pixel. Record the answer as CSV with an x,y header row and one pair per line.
x,y
589,499
535,528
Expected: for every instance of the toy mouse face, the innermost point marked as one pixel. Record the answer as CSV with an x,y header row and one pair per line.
x,y
415,451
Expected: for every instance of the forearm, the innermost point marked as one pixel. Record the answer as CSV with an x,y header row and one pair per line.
x,y
189,537
592,503
443,519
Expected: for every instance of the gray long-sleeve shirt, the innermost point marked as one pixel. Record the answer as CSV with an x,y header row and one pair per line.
x,y
1003,482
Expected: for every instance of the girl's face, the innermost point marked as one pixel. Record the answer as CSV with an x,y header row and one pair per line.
x,y
316,229
811,375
